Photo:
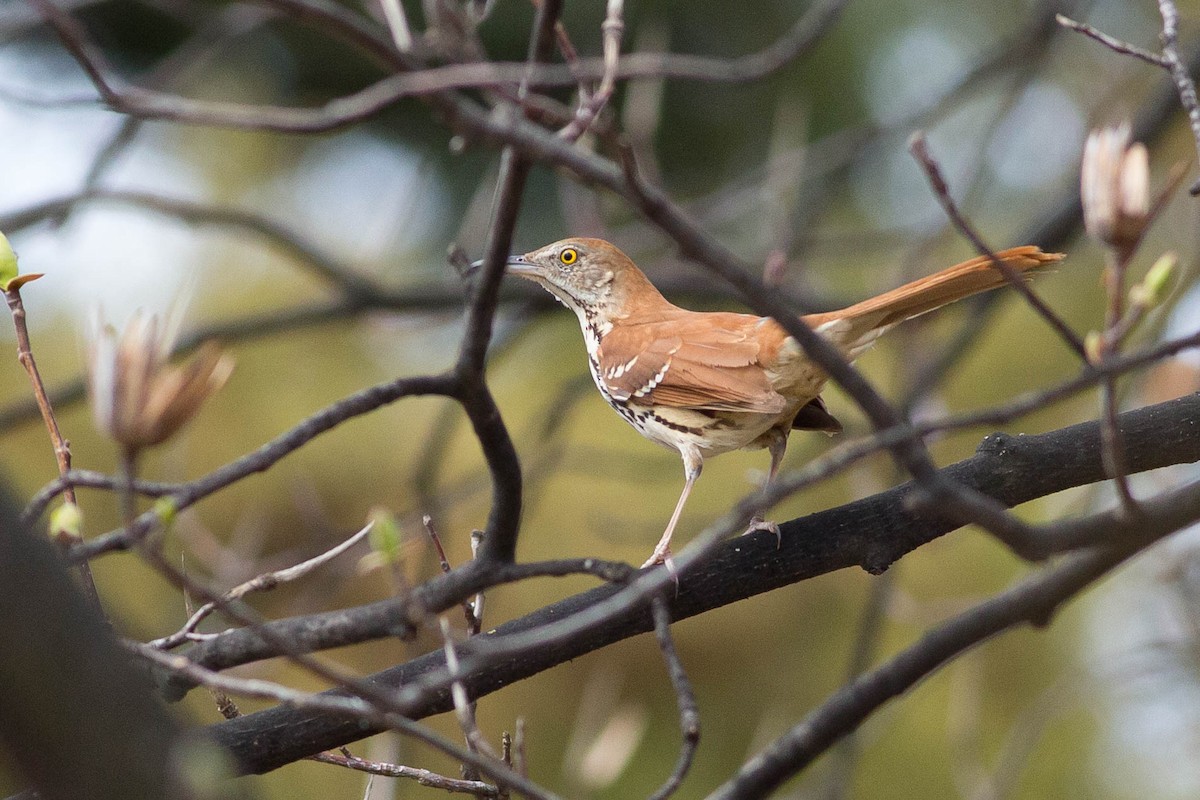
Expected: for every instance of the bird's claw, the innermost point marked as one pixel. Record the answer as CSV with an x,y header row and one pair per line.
x,y
663,556
757,523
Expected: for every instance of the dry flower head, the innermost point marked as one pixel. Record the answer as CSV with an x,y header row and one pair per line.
x,y
1115,186
138,397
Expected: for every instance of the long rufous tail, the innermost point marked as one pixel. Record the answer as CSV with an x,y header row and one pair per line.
x,y
861,320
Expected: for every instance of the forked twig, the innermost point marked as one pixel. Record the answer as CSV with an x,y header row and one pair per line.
x,y
260,583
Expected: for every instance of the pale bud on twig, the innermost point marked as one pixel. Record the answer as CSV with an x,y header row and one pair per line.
x,y
1115,186
138,397
1093,347
10,280
1153,288
67,519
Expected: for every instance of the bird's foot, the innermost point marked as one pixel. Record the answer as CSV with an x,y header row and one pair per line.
x,y
757,523
662,555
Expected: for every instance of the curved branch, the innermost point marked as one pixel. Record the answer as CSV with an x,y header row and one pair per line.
x,y
871,533
264,457
1033,601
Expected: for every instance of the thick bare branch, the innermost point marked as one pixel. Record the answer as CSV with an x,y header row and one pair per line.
x,y
871,533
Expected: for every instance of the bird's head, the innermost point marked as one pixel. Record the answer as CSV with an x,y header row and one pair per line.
x,y
589,276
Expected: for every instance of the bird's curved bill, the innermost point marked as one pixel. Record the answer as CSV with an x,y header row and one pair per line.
x,y
515,265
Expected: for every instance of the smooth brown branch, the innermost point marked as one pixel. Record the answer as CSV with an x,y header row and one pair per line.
x,y
919,148
443,561
423,777
685,699
261,583
62,449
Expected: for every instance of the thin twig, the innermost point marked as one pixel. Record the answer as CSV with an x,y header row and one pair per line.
x,y
920,151
1111,42
264,457
866,642
260,583
475,607
423,777
342,706
685,699
62,449
1112,447
1179,71
397,22
589,108
464,709
1169,59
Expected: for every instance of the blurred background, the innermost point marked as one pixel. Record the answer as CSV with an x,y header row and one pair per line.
x,y
810,165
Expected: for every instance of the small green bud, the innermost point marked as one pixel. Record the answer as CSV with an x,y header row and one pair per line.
x,y
1093,346
1153,288
385,535
166,509
8,263
67,519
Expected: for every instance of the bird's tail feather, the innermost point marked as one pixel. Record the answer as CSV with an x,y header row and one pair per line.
x,y
871,317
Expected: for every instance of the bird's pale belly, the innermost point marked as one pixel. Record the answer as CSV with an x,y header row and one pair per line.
x,y
710,432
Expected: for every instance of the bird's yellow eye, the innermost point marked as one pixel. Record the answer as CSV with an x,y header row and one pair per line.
x,y
569,256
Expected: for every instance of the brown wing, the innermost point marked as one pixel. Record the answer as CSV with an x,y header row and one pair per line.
x,y
707,362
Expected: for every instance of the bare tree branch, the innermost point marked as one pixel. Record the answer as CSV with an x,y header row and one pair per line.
x,y
871,533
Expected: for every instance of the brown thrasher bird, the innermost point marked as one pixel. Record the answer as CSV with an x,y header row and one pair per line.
x,y
705,383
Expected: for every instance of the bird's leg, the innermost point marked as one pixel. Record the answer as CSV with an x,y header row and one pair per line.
x,y
692,464
776,446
